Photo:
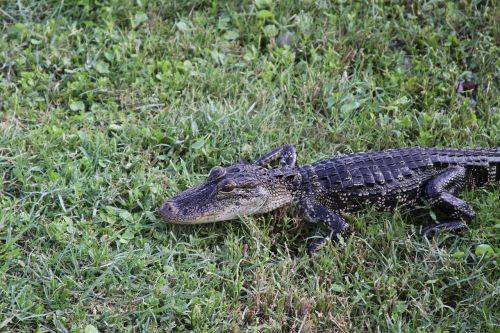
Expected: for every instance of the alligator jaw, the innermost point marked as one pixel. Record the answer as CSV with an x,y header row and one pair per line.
x,y
169,213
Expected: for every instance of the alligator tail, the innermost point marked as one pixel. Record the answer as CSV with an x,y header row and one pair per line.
x,y
482,164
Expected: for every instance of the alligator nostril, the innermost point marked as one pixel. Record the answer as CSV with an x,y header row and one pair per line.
x,y
168,209
171,207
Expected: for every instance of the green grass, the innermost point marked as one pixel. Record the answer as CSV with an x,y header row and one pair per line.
x,y
107,108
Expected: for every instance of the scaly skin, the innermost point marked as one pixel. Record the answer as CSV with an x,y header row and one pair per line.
x,y
345,184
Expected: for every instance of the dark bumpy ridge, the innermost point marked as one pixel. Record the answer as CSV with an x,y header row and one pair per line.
x,y
397,165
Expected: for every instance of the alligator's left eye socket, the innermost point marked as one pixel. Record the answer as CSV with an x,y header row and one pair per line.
x,y
227,187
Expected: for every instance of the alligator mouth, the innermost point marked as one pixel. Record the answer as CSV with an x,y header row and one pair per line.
x,y
197,220
170,213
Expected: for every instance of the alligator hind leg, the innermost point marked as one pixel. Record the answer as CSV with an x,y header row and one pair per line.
x,y
440,193
286,153
313,212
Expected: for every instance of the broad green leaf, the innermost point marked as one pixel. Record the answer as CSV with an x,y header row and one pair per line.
x,y
102,67
139,18
270,30
484,250
263,3
17,28
337,288
77,106
231,35
127,235
350,106
265,14
91,329
198,144
182,26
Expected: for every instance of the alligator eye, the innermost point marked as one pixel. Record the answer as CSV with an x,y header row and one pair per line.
x,y
227,187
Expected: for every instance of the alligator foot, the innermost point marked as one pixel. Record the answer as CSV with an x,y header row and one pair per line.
x,y
440,193
317,245
430,230
314,213
286,153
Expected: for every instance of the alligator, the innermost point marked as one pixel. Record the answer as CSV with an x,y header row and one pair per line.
x,y
326,190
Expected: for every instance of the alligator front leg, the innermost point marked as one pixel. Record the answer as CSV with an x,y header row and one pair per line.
x,y
286,152
314,212
439,192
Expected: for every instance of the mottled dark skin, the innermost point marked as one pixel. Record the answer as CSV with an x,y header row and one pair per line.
x,y
325,190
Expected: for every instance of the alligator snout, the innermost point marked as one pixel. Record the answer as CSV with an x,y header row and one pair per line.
x,y
168,211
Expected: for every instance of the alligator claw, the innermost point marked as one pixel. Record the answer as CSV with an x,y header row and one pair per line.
x,y
432,230
317,245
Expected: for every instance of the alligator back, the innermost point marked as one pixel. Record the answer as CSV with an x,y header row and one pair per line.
x,y
392,177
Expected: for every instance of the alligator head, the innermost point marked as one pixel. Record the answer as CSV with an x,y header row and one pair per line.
x,y
228,193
